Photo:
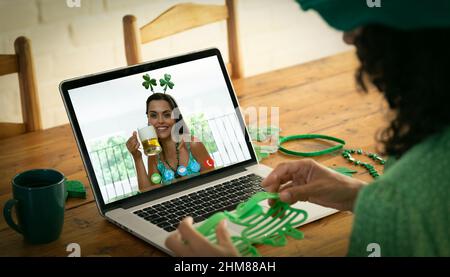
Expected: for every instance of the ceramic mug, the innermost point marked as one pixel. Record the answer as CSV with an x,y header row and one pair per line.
x,y
39,200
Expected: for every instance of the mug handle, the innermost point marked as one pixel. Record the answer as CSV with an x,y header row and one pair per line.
x,y
7,215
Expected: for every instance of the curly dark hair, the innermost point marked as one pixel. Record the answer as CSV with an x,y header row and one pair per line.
x,y
411,69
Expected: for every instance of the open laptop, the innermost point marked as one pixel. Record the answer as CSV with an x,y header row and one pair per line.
x,y
105,108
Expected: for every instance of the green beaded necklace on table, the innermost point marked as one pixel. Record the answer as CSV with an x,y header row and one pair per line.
x,y
346,153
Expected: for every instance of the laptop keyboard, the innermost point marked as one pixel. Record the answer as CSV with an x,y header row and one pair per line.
x,y
203,203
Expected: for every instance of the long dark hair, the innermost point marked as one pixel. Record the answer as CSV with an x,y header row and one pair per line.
x,y
411,69
173,105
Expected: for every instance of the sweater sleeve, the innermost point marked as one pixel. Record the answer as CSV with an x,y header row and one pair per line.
x,y
375,221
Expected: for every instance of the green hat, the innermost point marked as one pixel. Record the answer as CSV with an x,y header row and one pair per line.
x,y
346,15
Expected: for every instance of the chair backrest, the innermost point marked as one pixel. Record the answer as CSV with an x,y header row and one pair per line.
x,y
180,18
22,63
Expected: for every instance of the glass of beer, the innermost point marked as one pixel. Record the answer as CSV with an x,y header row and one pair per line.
x,y
149,140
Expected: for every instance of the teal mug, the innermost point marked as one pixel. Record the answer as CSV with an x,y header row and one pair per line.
x,y
39,199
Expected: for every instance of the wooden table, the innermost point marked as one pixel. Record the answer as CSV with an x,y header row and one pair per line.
x,y
317,97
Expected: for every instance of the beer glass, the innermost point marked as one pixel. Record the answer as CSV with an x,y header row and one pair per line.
x,y
149,140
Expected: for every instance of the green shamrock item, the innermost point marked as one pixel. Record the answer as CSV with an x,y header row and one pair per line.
x,y
269,226
150,83
261,140
75,189
345,171
166,82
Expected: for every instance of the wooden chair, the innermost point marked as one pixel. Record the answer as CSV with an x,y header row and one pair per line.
x,y
180,18
22,63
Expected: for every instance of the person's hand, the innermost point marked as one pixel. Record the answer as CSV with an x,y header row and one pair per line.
x,y
189,242
133,146
307,180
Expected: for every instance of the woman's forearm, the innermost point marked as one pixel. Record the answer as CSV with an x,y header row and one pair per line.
x,y
354,188
142,176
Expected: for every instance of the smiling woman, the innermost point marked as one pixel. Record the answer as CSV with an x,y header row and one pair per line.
x,y
182,155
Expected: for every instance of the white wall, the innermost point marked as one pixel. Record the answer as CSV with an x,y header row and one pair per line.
x,y
69,42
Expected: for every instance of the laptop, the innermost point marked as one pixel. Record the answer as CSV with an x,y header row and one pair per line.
x,y
138,195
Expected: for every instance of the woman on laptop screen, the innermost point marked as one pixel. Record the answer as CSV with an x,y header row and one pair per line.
x,y
181,156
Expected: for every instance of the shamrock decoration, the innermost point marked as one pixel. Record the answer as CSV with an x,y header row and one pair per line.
x,y
149,82
166,82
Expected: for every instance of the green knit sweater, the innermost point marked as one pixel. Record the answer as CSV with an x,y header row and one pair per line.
x,y
406,211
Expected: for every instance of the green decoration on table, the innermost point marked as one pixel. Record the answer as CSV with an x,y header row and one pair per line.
x,y
150,83
263,133
260,155
343,170
269,227
265,140
75,189
372,171
346,153
258,135
310,136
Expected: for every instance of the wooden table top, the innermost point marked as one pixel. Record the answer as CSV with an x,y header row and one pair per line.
x,y
317,97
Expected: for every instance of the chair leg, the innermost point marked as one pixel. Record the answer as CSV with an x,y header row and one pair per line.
x,y
233,41
28,89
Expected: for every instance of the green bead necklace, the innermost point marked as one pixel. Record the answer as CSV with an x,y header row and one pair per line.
x,y
346,153
178,160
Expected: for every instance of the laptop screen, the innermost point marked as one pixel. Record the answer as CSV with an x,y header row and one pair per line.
x,y
155,128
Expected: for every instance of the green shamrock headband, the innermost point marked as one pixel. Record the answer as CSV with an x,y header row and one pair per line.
x,y
165,83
